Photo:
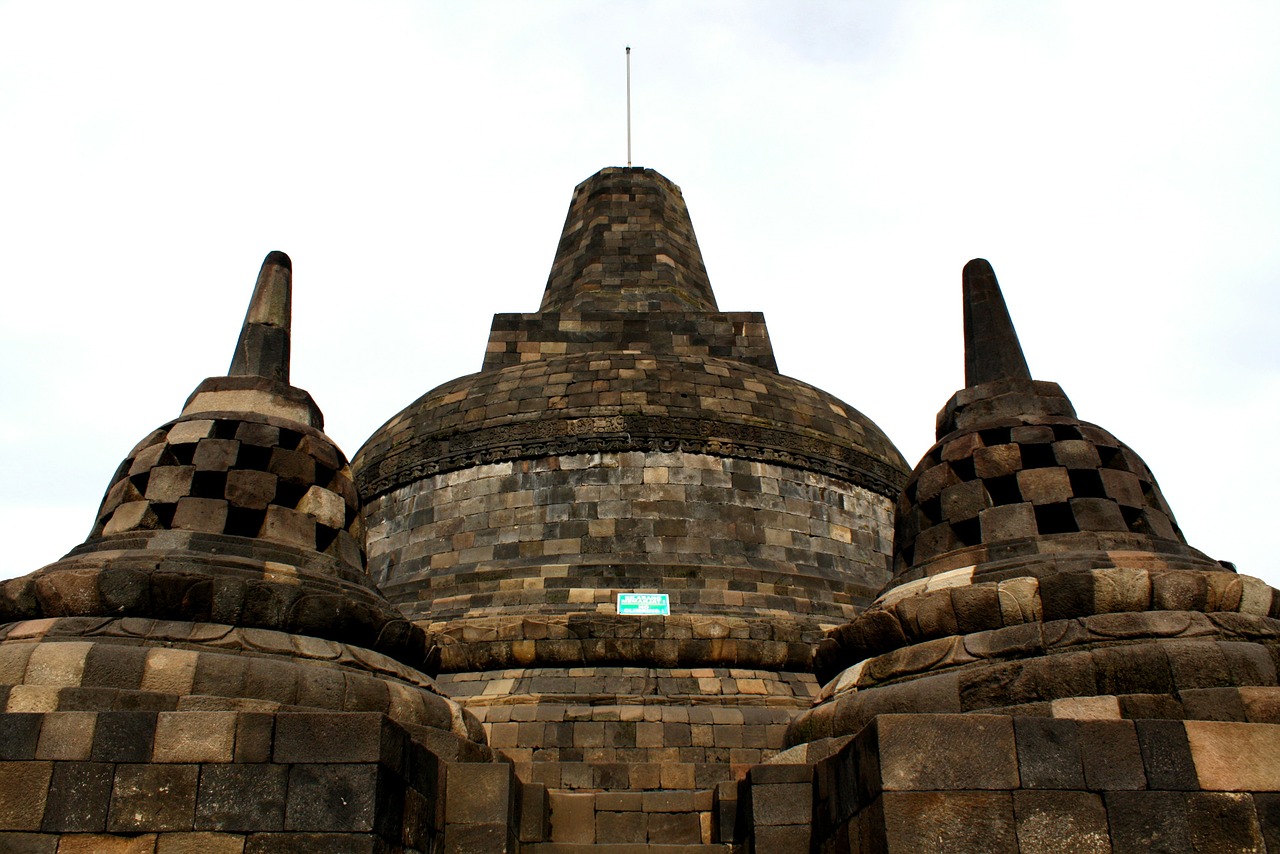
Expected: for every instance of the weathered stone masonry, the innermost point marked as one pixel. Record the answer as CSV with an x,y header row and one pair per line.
x,y
263,648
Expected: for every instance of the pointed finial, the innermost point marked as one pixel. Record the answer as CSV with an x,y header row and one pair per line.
x,y
263,348
991,348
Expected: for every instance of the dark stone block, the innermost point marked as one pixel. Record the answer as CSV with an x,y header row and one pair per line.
x,y
255,735
123,736
1166,755
112,666
1267,805
1061,822
1066,595
977,609
332,798
19,733
1132,669
782,803
1111,756
949,822
328,737
1150,706
930,752
149,798
1213,704
679,828
467,838
478,792
614,827
242,797
1148,822
1223,823
1049,753
79,793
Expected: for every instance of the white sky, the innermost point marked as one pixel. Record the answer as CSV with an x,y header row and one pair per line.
x,y
842,161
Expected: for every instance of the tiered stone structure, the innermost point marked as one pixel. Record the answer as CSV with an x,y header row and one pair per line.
x,y
629,437
1052,668
212,669
261,648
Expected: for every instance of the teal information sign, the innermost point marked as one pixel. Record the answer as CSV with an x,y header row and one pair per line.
x,y
644,604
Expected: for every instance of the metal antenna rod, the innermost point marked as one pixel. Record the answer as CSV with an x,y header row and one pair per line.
x,y
628,105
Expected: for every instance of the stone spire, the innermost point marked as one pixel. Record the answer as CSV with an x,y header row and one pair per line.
x,y
628,245
258,380
991,348
263,348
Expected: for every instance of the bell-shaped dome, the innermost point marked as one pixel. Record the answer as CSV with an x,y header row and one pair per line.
x,y
1015,472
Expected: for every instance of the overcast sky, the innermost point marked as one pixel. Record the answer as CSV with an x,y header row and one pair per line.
x,y
1117,163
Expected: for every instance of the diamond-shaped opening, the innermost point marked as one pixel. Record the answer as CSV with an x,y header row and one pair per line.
x,y
1055,519
244,522
1038,456
969,531
209,484
1086,483
1003,490
1065,431
995,436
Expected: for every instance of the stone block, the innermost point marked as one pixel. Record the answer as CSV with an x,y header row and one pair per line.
x,y
92,843
199,843
150,798
293,467
1008,522
169,483
133,515
113,666
216,454
782,803
288,526
253,490
478,793
123,736
327,507
948,822
245,798
573,817
79,794
1048,753
1045,486
1224,822
1061,822
194,737
19,735
997,461
23,794
333,798
964,500
1166,755
1097,514
1235,757
931,752
1267,805
28,843
207,515
1112,759
1148,821
617,827
67,736
676,828
333,737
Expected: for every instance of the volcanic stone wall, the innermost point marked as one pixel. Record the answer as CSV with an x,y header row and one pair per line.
x,y
722,536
